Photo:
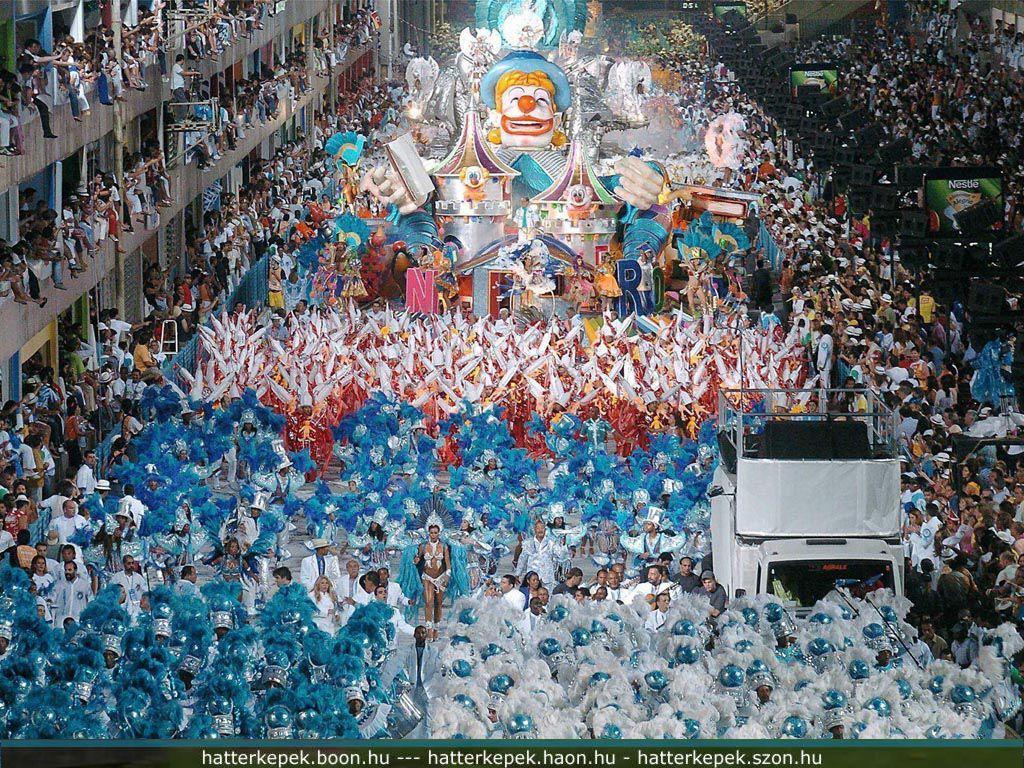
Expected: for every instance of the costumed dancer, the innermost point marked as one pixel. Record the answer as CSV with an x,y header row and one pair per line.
x,y
307,430
431,570
651,541
375,539
605,284
567,538
279,487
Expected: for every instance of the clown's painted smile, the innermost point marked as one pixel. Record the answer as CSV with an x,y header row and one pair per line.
x,y
526,126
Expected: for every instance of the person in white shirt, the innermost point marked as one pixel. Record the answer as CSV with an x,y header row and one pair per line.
x,y
133,584
119,327
656,584
921,542
49,467
68,523
616,592
510,594
85,478
323,597
396,597
133,389
55,503
132,507
52,566
28,465
823,356
529,623
70,595
347,590
320,563
657,617
6,449
402,627
42,577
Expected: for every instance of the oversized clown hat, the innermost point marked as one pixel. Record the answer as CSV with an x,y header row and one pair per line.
x,y
526,61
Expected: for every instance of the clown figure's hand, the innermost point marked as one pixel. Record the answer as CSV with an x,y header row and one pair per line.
x,y
639,184
384,183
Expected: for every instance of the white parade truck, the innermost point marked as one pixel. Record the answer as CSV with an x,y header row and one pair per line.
x,y
805,499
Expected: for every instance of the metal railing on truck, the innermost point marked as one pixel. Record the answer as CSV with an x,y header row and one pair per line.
x,y
744,414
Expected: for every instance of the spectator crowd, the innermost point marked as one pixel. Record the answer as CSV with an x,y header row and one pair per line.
x,y
876,327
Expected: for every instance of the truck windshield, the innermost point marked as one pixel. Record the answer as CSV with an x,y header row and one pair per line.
x,y
802,583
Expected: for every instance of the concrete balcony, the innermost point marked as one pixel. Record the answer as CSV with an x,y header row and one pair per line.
x,y
23,321
72,136
296,12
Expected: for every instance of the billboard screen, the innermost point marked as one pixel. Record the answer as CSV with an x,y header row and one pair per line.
x,y
723,7
824,76
948,191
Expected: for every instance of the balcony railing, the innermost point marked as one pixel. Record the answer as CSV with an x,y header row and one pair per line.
x,y
744,413
72,136
22,321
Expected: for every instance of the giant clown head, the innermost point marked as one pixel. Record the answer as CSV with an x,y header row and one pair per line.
x,y
526,95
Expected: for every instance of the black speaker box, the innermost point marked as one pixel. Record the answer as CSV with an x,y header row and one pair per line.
x,y
815,440
980,217
861,175
914,223
884,198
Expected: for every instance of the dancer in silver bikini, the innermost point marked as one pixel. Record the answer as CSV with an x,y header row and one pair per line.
x,y
434,560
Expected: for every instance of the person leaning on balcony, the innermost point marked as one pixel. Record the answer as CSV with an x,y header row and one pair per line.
x,y
30,66
10,132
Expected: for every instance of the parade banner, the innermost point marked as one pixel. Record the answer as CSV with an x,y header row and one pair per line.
x,y
825,76
509,754
948,191
723,7
421,291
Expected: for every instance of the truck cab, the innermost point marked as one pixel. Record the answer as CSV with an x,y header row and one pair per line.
x,y
806,498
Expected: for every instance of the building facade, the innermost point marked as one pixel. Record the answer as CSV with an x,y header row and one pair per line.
x,y
49,169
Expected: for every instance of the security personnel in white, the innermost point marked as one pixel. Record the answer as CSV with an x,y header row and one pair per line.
x,y
133,584
70,595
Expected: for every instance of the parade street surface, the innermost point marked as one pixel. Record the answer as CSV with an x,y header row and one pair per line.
x,y
1003,754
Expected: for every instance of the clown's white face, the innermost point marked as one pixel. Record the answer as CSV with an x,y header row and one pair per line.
x,y
526,116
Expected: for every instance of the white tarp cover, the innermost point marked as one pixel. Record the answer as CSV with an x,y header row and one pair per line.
x,y
817,498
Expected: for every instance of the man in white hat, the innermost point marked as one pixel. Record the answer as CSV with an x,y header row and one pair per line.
x,y
651,541
249,525
320,563
131,506
278,488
